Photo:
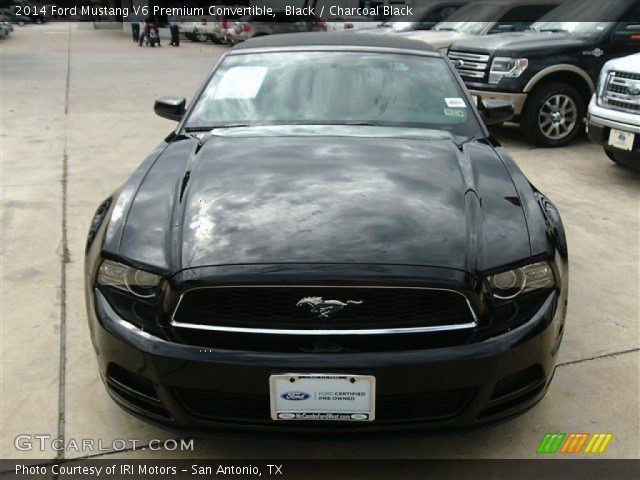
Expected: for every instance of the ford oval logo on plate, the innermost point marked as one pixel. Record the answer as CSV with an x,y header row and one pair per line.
x,y
295,395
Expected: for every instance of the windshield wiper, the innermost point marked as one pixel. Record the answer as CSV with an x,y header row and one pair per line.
x,y
447,29
553,30
213,127
360,123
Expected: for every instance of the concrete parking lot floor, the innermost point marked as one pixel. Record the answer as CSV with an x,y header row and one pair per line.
x,y
76,121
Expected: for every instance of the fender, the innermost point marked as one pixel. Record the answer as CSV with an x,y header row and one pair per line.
x,y
562,67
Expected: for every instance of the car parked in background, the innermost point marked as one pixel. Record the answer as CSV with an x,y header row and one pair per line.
x,y
352,23
220,29
251,26
15,19
185,28
5,26
477,19
423,18
198,31
550,72
213,29
614,111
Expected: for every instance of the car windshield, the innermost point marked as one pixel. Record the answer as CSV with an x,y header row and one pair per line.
x,y
581,15
459,21
334,88
404,23
576,28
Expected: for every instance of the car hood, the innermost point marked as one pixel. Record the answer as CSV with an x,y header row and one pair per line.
x,y
522,42
630,63
273,198
438,39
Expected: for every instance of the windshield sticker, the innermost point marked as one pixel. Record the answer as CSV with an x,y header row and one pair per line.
x,y
455,103
450,112
241,82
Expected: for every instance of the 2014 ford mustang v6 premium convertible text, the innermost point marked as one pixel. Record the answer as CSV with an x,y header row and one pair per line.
x,y
330,241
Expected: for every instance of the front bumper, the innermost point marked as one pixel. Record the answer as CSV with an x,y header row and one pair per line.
x,y
601,120
234,37
501,377
518,99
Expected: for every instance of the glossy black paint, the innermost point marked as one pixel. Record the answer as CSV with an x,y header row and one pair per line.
x,y
332,206
431,204
170,107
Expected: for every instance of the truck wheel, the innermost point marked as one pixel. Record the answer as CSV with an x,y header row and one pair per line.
x,y
553,115
201,37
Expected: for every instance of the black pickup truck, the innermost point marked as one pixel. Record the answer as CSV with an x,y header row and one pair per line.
x,y
550,71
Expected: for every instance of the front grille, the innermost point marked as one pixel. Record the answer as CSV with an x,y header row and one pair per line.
x,y
470,65
622,91
357,308
251,408
323,344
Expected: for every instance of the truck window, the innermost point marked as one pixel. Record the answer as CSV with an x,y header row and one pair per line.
x,y
520,18
440,14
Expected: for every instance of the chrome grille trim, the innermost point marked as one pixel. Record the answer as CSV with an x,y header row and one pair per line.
x,y
616,91
471,65
300,332
473,57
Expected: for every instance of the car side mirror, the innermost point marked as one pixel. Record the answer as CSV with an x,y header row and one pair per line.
x,y
494,110
627,36
502,28
172,108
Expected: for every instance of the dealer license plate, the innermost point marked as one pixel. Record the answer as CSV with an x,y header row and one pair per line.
x,y
621,139
323,397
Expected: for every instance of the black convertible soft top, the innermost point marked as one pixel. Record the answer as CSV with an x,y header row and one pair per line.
x,y
322,39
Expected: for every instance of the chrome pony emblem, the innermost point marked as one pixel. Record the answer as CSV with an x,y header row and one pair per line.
x,y
633,90
324,308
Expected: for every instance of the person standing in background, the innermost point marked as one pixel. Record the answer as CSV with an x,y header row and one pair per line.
x,y
175,30
135,20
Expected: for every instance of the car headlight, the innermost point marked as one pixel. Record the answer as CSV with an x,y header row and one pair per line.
x,y
602,84
509,284
504,67
138,282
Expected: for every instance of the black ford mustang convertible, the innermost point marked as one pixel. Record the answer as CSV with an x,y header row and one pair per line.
x,y
330,241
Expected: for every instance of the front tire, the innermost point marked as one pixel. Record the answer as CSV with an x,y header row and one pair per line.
x,y
612,156
553,115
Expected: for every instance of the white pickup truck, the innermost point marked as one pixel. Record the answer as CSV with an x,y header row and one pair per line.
x,y
614,111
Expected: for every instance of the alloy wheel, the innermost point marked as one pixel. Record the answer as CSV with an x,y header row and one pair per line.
x,y
558,116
